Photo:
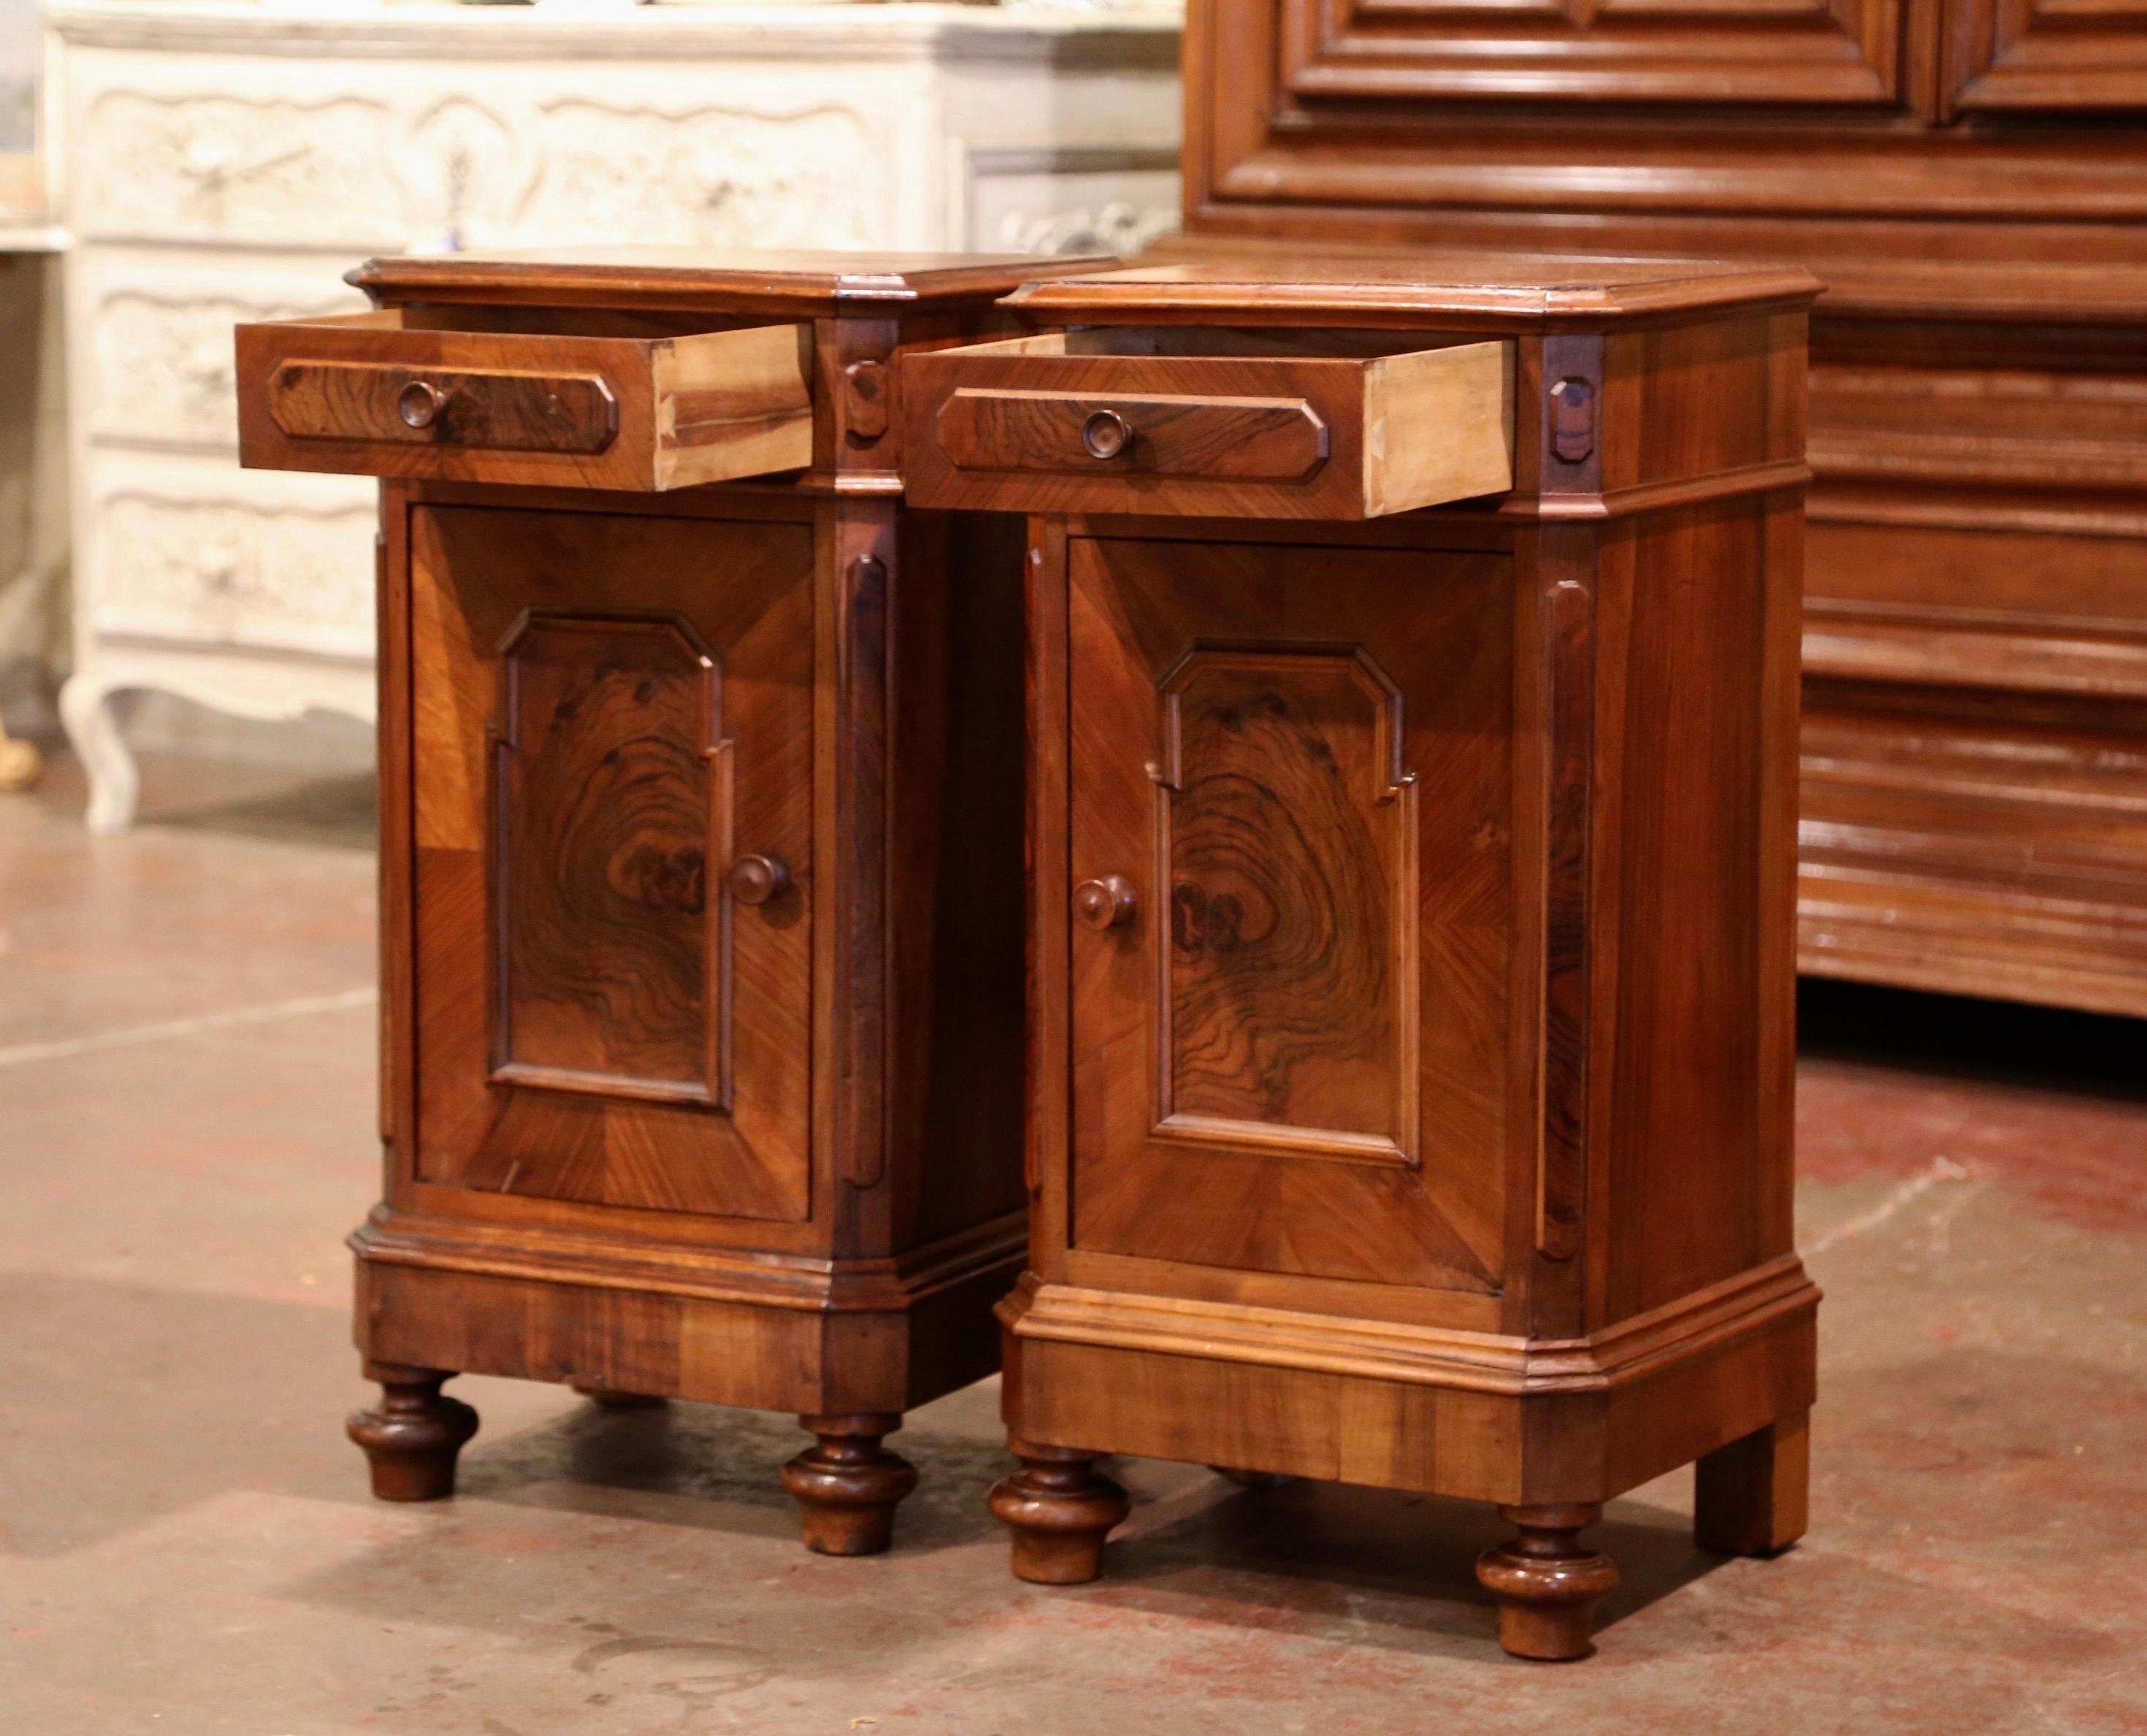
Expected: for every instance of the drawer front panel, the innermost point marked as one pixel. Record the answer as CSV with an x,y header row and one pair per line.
x,y
188,553
440,397
441,407
1267,439
1116,422
613,735
157,352
1291,928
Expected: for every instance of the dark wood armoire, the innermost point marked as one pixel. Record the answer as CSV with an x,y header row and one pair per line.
x,y
1970,177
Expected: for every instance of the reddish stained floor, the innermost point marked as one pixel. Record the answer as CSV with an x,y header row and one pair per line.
x,y
2050,1103
186,1081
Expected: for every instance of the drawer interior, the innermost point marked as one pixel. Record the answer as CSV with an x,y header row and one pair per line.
x,y
1229,342
536,322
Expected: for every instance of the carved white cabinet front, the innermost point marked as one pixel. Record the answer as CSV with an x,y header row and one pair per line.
x,y
218,163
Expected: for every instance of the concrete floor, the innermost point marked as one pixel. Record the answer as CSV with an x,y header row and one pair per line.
x,y
186,1546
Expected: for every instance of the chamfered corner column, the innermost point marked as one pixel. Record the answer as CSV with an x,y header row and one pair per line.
x,y
1751,1498
1546,1584
411,1438
1060,1508
846,1485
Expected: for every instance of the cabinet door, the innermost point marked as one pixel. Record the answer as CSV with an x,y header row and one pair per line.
x,y
1637,51
609,713
1293,926
2053,55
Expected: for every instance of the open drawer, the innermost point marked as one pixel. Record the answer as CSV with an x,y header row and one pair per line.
x,y
1331,425
576,399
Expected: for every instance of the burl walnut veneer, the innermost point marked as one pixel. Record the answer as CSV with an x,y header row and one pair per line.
x,y
1411,909
701,846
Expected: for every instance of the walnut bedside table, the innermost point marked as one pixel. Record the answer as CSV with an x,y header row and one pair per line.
x,y
701,845
1411,891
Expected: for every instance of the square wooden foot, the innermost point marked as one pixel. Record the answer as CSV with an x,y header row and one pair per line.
x,y
1751,1496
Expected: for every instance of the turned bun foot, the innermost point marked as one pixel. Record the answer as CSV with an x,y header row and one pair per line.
x,y
848,1486
411,1439
611,1399
1546,1584
1060,1511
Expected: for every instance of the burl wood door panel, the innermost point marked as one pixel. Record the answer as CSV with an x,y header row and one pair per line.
x,y
610,712
1292,928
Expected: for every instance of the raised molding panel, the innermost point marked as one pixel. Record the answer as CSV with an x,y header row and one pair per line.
x,y
713,176
464,172
172,564
2053,55
1302,997
1638,51
609,935
1285,833
218,169
1010,216
1976,634
160,353
634,691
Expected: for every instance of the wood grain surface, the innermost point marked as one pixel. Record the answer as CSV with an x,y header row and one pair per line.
x,y
1249,1089
496,411
1969,179
592,741
1412,968
612,809
470,396
1221,423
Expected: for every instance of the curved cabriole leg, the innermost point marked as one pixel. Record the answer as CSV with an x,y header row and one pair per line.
x,y
411,1440
1060,1511
611,1398
848,1485
114,781
1547,1585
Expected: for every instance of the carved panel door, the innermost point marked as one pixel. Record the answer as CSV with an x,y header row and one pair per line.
x,y
1635,51
2012,55
611,715
1292,926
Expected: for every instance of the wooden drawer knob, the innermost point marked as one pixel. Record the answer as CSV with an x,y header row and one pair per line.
x,y
1106,903
419,404
1106,434
756,880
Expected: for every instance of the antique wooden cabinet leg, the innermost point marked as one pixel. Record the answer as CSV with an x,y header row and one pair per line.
x,y
1059,1509
412,1439
848,1485
1750,1497
1547,1585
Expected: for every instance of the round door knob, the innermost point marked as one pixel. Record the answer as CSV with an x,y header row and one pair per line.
x,y
756,880
1106,434
1106,903
419,403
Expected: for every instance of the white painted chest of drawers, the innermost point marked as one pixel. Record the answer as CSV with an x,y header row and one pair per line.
x,y
217,163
